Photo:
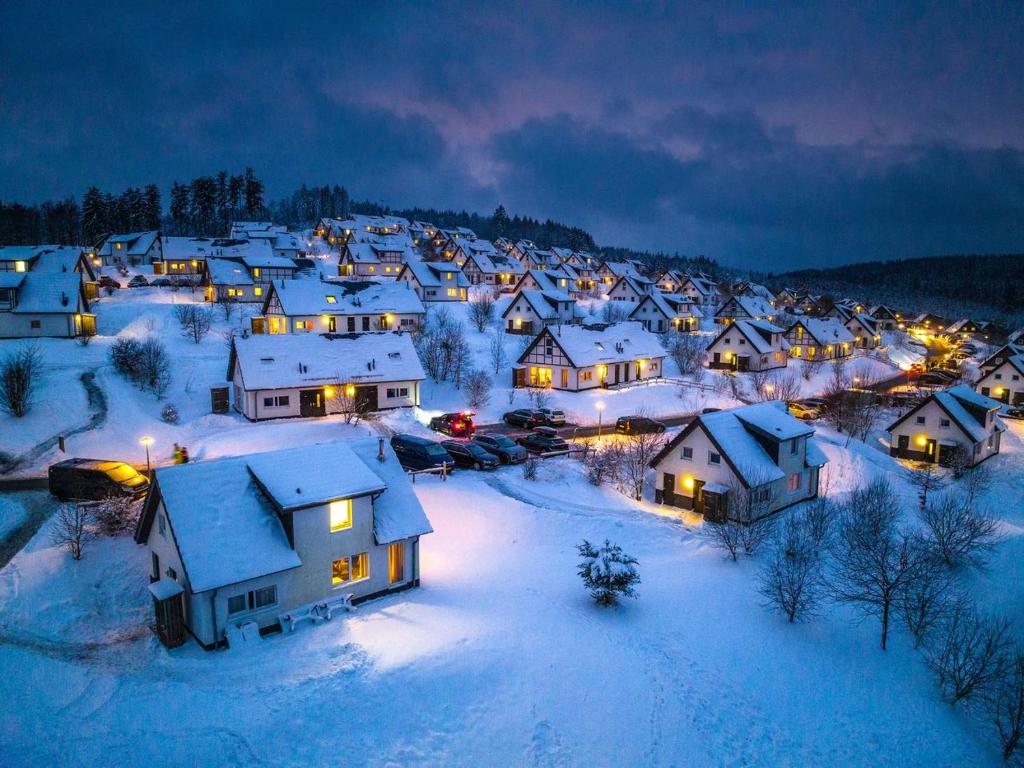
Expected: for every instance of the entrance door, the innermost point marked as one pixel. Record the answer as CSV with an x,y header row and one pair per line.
x,y
714,507
396,562
668,495
902,445
743,363
311,403
565,378
717,359
930,450
698,496
366,398
616,374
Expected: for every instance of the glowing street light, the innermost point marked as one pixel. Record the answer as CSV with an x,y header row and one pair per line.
x,y
147,441
600,410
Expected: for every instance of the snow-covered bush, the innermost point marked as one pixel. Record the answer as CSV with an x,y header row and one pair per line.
x,y
169,414
19,374
144,363
688,351
607,572
116,515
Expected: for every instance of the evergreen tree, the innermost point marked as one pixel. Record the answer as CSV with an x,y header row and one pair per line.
x,y
224,214
253,194
152,210
179,208
236,187
94,216
204,204
500,222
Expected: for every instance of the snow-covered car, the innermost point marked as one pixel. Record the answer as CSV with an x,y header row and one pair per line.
x,y
544,441
138,282
553,417
94,479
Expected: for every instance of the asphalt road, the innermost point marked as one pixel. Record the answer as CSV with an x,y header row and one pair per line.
x,y
570,431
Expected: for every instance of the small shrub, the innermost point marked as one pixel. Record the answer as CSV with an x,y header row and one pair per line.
x,y
169,414
607,572
530,467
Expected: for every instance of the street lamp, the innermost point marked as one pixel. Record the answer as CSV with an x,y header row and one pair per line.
x,y
147,441
600,409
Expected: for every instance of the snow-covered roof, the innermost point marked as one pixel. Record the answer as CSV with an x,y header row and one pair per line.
x,y
733,429
227,272
345,297
12,279
226,531
754,306
434,274
670,304
185,248
60,259
22,252
587,346
49,293
297,478
544,303
826,330
968,409
758,333
397,513
310,360
622,268
701,285
138,243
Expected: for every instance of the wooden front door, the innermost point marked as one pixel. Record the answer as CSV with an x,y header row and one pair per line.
x,y
312,403
698,496
902,445
668,495
714,507
396,562
930,450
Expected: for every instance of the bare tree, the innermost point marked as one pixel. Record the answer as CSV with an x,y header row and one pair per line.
x,y
925,476
604,463
791,580
195,321
818,517
926,600
1007,708
154,367
775,385
530,468
481,311
496,350
442,347
638,450
958,533
72,528
19,375
539,398
874,561
613,312
725,534
477,386
226,303
687,351
969,653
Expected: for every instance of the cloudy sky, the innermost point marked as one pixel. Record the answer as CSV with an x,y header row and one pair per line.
x,y
773,137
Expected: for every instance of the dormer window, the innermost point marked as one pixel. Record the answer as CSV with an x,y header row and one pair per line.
x,y
340,515
331,300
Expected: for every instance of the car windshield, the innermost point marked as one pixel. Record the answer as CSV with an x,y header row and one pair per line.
x,y
436,450
503,442
121,473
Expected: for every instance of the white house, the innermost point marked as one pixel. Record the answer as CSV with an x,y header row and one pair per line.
x,y
610,271
887,318
816,338
546,280
702,291
575,358
40,303
743,463
1005,382
1001,355
51,258
262,538
957,421
630,289
745,308
343,306
531,310
669,281
243,271
749,345
435,281
498,268
133,248
865,330
663,312
277,377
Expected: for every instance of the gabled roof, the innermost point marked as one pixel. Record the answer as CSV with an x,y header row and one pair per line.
x,y
964,406
136,243
547,279
964,325
287,479
429,274
621,268
669,304
227,271
757,332
825,330
754,306
544,303
881,311
702,286
735,433
49,293
869,323
1014,361
313,360
639,285
343,297
593,345
1007,350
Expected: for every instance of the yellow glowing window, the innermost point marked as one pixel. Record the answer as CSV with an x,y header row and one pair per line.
x,y
19,266
340,571
255,271
372,268
451,275
257,291
331,300
118,245
453,292
341,515
360,566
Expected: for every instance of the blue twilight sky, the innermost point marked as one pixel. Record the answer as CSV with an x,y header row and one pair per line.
x,y
773,136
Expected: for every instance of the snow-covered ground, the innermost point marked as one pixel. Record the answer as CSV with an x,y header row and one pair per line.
x,y
500,658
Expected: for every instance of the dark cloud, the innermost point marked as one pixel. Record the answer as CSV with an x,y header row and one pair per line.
x,y
787,131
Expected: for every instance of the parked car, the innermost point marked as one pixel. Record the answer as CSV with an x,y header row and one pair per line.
x,y
139,281
419,453
106,281
505,448
471,455
801,411
638,425
162,282
553,417
523,417
95,479
454,424
544,440
1016,412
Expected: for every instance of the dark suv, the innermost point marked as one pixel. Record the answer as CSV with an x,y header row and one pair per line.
x,y
93,479
454,424
471,455
524,417
638,425
504,448
545,441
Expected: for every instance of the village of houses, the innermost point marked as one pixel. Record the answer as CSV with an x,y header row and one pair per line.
x,y
320,507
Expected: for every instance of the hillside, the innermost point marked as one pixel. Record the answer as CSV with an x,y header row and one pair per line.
x,y
988,286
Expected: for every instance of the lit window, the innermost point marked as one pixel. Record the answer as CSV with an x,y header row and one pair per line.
x,y
341,515
340,571
257,291
453,292
255,271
